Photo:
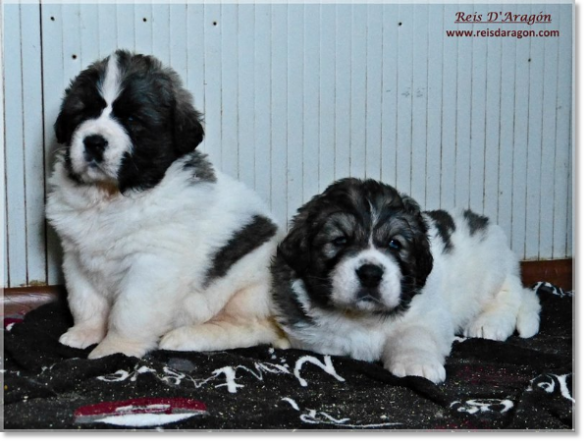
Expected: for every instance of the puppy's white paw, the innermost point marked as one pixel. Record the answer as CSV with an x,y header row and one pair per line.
x,y
434,371
491,327
81,336
181,339
110,346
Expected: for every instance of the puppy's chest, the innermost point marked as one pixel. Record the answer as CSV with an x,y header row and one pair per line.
x,y
341,335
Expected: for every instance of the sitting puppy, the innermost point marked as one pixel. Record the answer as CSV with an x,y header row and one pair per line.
x,y
156,241
364,273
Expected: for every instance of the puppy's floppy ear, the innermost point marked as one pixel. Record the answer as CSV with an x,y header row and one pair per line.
x,y
60,128
423,260
410,204
188,129
294,249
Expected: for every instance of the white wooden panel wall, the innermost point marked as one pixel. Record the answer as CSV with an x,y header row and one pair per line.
x,y
297,95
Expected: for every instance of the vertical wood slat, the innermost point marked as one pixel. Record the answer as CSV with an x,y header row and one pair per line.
x,y
563,159
293,100
358,91
34,168
404,97
389,111
15,178
536,64
295,128
327,95
310,148
435,51
520,139
419,94
373,112
479,102
3,216
54,82
278,114
450,91
548,134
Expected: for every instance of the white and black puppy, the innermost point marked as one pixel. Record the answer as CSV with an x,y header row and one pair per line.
x,y
157,243
364,273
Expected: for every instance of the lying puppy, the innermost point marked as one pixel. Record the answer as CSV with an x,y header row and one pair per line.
x,y
364,273
156,241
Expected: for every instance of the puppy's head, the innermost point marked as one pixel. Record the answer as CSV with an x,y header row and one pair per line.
x,y
124,120
359,246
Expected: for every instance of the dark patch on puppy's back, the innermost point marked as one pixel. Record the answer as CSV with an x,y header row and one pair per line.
x,y
249,237
444,223
200,167
476,223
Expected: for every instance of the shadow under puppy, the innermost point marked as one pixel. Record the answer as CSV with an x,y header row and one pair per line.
x,y
364,273
156,241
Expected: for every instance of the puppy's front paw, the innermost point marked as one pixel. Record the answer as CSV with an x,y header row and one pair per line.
x,y
491,327
431,368
110,346
180,339
82,336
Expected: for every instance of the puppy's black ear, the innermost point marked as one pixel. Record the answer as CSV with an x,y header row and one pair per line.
x,y
60,128
410,204
189,131
294,249
423,260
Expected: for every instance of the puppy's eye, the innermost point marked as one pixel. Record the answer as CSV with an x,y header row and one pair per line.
x,y
395,244
340,241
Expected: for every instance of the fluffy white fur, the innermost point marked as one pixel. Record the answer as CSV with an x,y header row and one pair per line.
x,y
134,265
475,290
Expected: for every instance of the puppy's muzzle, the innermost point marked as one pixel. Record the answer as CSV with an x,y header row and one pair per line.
x,y
370,275
95,145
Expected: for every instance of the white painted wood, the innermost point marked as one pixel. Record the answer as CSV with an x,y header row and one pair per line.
x,y
32,144
563,158
15,161
262,102
55,81
404,97
246,140
535,62
278,91
327,95
297,95
520,143
229,89
492,126
479,103
450,92
343,84
358,91
435,53
390,64
548,141
374,72
419,96
310,149
295,139
463,115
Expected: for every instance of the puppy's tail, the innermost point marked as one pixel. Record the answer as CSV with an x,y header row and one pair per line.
x,y
528,315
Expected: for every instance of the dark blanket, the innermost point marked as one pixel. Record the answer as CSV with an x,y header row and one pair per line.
x,y
518,384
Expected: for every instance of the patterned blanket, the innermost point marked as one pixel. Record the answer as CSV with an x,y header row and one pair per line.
x,y
518,384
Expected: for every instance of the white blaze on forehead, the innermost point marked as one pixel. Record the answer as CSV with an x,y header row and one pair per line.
x,y
110,87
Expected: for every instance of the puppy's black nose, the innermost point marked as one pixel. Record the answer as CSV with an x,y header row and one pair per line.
x,y
370,275
94,147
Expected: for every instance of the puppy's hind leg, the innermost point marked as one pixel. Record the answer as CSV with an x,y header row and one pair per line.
x,y
244,322
498,317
